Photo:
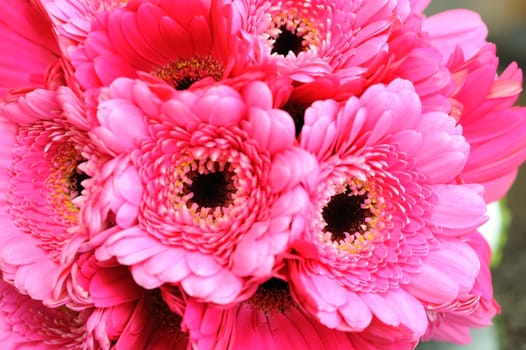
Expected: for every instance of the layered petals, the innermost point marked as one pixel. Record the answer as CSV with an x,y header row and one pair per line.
x,y
232,205
383,224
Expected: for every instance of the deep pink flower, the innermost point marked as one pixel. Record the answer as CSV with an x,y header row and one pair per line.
x,y
29,50
43,167
129,316
270,319
28,324
493,127
214,177
452,322
141,35
383,237
308,39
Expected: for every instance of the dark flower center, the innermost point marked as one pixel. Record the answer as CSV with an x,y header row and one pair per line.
x,y
287,41
272,296
182,73
165,319
344,214
210,190
297,112
75,180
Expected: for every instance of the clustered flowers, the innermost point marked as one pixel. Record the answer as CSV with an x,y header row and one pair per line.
x,y
248,174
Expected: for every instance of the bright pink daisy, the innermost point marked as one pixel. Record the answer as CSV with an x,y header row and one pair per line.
x,y
476,309
383,237
270,319
215,179
141,37
29,50
312,38
28,324
42,176
494,128
482,101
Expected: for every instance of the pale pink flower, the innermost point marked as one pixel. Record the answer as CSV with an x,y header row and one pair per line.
x,y
452,322
180,42
28,324
215,178
29,50
383,237
72,18
270,319
42,173
312,38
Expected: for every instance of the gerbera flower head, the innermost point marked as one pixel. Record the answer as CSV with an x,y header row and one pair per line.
x,y
271,319
141,35
312,38
481,100
220,180
384,218
28,324
492,125
43,177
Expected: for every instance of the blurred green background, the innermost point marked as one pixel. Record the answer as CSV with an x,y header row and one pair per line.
x,y
506,20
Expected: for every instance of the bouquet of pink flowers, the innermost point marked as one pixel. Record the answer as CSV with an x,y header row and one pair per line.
x,y
248,174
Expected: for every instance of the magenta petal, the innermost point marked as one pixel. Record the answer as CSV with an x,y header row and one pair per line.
x,y
356,313
202,265
410,311
381,308
221,288
272,129
433,285
458,208
290,168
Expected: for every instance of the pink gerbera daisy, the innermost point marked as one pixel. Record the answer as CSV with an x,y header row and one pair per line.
x,y
494,128
481,100
43,168
311,38
141,35
28,324
383,237
72,18
129,316
271,319
214,177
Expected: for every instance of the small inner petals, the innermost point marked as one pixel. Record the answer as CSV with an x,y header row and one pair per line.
x,y
64,183
182,73
272,296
